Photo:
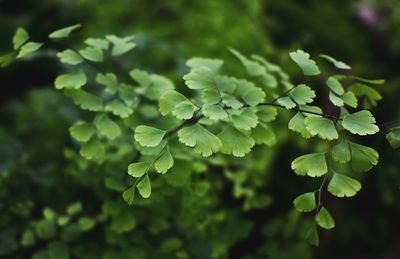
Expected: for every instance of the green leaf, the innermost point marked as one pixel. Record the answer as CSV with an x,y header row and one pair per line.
x,y
86,223
107,127
128,94
252,68
211,96
92,54
336,63
73,80
253,96
324,128
305,202
121,45
335,85
214,112
109,80
169,100
337,101
235,142
343,186
118,108
212,64
394,137
138,169
64,32
93,150
312,236
184,110
263,134
201,139
368,81
74,208
362,158
302,94
341,152
307,65
70,57
123,222
28,48
324,219
82,131
97,43
129,195
164,162
6,59
20,37
298,125
28,238
231,101
245,119
350,99
149,136
144,187
287,102
360,123
85,100
200,78
266,113
372,95
140,76
313,165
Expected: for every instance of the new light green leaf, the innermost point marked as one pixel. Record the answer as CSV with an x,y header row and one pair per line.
x,y
28,48
121,45
144,187
184,110
394,137
169,100
129,195
305,202
363,158
325,219
313,165
107,127
360,123
109,80
200,78
214,112
252,68
213,64
254,96
119,108
211,96
298,125
93,150
149,136
64,32
245,119
82,131
335,85
369,81
302,94
324,128
74,80
20,37
372,95
307,65
235,142
203,141
343,186
336,63
266,113
164,162
69,57
138,169
92,54
263,134
231,101
97,43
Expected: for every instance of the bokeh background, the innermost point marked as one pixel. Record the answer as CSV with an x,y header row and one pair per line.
x,y
42,178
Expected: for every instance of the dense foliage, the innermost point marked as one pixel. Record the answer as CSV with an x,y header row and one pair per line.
x,y
198,136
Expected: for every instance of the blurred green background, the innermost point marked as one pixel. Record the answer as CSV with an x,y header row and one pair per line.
x,y
43,180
